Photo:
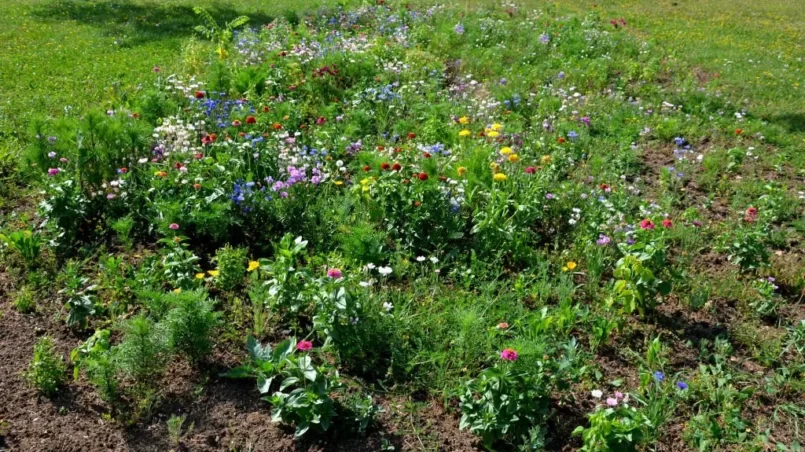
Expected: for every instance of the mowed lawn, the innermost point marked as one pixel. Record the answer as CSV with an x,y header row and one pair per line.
x,y
68,54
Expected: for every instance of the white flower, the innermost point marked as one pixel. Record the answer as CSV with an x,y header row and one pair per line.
x,y
434,259
365,283
597,393
388,306
385,271
420,259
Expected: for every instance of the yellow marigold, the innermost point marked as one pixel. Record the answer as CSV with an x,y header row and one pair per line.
x,y
463,120
461,170
546,159
497,127
514,158
213,273
506,151
571,265
499,177
199,275
492,134
464,133
253,265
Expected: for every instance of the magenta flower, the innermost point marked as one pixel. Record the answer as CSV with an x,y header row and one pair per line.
x,y
174,226
304,345
508,354
53,171
647,224
619,395
611,401
334,273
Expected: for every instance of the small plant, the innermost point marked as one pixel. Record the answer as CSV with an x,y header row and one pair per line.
x,y
766,301
636,287
180,265
176,427
745,248
95,357
47,370
504,402
264,363
24,300
231,267
123,227
190,324
27,243
214,32
143,352
615,426
304,399
79,294
361,411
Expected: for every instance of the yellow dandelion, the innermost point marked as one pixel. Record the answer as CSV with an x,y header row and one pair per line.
x,y
253,265
213,273
338,182
461,170
464,133
571,265
492,134
506,151
497,127
499,177
514,158
177,290
463,120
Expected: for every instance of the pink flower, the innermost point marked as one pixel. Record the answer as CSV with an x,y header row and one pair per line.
x,y
503,325
236,123
618,395
508,354
156,69
530,170
53,171
304,345
334,273
174,226
647,224
667,223
612,401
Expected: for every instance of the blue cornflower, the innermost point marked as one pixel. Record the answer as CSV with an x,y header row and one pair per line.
x,y
659,376
459,29
572,135
681,385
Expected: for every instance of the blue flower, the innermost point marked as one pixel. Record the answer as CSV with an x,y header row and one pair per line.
x,y
681,385
659,376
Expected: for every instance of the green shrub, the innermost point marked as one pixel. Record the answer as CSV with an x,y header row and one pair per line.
x,y
143,352
190,324
47,370
232,263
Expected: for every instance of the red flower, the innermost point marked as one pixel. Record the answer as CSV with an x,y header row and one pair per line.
x,y
738,131
667,223
531,170
411,136
124,170
560,140
251,120
385,166
647,224
277,126
380,148
200,94
751,215
265,108
177,165
366,168
426,155
197,186
417,203
423,176
396,166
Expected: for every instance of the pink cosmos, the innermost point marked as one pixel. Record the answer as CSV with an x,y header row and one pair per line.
x,y
619,395
334,273
503,325
174,226
647,224
508,354
304,345
612,401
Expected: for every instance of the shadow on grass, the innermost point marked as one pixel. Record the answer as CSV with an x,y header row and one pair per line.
x,y
137,23
793,122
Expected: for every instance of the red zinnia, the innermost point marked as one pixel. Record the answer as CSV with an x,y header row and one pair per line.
x,y
385,166
751,215
200,94
667,223
560,140
366,168
426,155
251,120
531,170
423,176
646,224
411,136
738,131
396,167
304,345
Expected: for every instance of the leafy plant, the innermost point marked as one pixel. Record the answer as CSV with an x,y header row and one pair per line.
x,y
190,324
214,32
176,427
264,362
143,352
79,294
231,267
27,243
46,372
617,429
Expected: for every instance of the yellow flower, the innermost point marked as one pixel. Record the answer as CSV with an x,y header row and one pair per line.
x,y
506,151
494,167
571,265
497,127
546,159
461,171
492,134
338,182
499,177
213,273
464,133
514,158
463,120
199,275
253,265
177,290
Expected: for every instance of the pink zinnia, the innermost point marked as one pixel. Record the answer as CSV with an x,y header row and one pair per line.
x,y
304,345
751,215
530,170
646,224
667,223
174,226
618,395
334,273
612,402
236,123
53,171
503,325
508,354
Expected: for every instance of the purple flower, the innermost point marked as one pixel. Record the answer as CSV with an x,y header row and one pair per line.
x,y
508,355
549,196
659,376
334,273
174,226
603,240
53,171
544,38
561,75
459,29
681,385
572,135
